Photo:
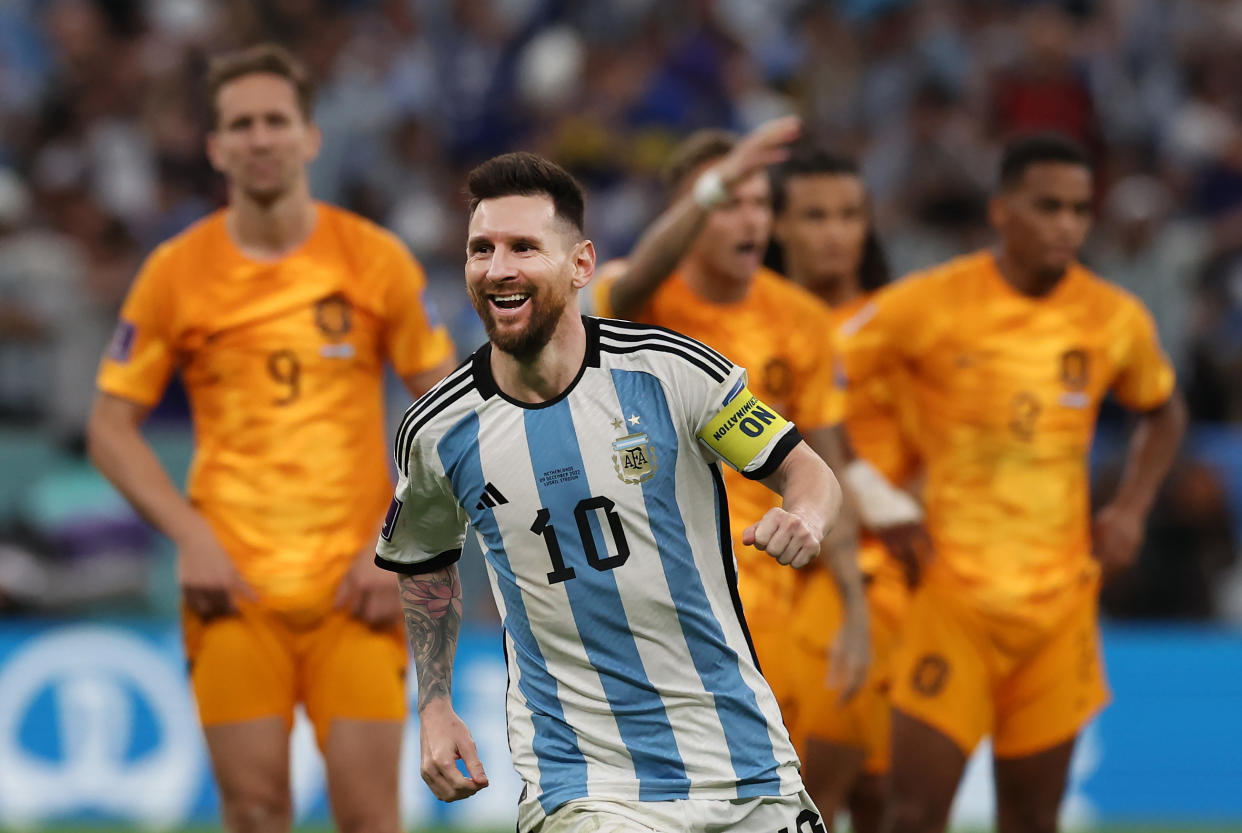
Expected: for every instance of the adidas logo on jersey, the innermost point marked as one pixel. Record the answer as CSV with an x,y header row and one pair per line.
x,y
491,497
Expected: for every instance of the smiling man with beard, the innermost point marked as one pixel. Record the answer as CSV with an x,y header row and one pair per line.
x,y
518,317
585,454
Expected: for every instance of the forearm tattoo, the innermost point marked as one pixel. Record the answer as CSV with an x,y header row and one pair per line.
x,y
432,604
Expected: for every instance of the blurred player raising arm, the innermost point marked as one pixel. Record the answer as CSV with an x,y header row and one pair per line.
x,y
664,244
632,283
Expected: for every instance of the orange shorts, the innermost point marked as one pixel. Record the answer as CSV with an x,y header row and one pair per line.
x,y
968,673
863,722
255,664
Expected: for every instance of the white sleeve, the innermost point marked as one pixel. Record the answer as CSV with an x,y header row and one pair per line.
x,y
425,525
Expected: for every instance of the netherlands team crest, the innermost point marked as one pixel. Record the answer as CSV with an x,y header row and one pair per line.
x,y
634,458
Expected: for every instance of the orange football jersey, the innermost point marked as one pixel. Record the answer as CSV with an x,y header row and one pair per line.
x,y
283,363
782,335
877,422
1006,390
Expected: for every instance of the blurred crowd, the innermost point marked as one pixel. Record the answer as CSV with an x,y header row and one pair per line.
x,y
102,121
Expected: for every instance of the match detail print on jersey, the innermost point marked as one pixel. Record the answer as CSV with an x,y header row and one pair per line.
x,y
742,430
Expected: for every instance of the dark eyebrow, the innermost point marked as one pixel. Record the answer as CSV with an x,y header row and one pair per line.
x,y
473,244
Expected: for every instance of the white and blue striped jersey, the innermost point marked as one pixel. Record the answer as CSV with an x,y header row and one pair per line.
x,y
603,519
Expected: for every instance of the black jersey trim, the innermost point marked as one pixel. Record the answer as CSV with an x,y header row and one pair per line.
x,y
486,382
411,427
427,417
780,451
623,324
439,562
726,553
662,347
634,332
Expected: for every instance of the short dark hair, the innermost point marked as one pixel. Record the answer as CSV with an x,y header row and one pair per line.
x,y
805,160
525,175
1039,148
261,59
696,150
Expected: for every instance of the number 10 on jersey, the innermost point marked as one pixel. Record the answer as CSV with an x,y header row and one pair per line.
x,y
586,507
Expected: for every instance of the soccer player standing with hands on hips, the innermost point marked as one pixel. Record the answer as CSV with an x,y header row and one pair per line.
x,y
585,454
278,312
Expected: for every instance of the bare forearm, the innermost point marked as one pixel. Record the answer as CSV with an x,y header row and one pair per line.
x,y
1153,446
809,488
841,545
432,604
122,455
656,255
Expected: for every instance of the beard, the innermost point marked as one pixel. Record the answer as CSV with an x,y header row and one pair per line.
x,y
525,343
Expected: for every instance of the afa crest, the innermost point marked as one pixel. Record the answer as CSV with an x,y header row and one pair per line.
x,y
634,458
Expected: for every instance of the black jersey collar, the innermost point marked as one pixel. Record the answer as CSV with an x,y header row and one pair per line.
x,y
485,382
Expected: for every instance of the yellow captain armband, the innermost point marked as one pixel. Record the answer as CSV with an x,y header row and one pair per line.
x,y
741,431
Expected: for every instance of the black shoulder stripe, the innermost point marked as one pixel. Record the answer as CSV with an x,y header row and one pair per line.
x,y
427,400
623,328
423,401
428,416
447,382
662,347
651,337
620,327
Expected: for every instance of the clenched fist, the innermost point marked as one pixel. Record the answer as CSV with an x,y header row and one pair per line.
x,y
788,538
